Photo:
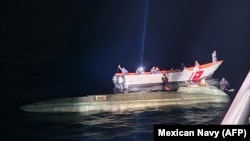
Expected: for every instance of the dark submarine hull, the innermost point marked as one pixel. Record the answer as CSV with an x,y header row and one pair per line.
x,y
129,101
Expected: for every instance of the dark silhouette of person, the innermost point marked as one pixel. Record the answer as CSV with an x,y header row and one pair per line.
x,y
182,67
165,82
224,84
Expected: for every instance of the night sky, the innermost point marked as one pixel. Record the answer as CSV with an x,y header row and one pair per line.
x,y
57,49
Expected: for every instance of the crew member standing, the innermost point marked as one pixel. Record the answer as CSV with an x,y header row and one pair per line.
x,y
214,57
196,65
182,67
224,84
123,70
165,82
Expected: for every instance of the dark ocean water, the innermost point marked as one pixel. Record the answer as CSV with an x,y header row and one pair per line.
x,y
134,125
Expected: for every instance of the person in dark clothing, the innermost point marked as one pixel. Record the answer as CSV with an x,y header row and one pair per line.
x,y
182,67
224,84
165,82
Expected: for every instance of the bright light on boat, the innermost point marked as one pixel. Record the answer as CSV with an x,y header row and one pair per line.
x,y
141,69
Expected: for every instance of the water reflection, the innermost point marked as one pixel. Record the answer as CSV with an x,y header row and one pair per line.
x,y
120,125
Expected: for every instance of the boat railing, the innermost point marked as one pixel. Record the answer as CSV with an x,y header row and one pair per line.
x,y
203,66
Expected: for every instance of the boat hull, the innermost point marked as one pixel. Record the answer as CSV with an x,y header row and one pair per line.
x,y
120,102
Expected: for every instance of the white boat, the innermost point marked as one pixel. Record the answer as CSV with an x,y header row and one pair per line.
x,y
153,82
189,94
